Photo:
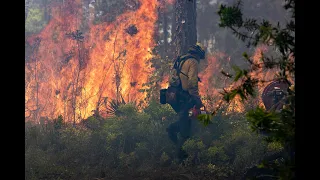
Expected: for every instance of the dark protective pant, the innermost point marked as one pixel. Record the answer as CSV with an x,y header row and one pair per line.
x,y
182,126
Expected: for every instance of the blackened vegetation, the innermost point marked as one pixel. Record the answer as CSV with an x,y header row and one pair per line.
x,y
65,59
57,92
133,84
132,30
69,55
82,52
76,35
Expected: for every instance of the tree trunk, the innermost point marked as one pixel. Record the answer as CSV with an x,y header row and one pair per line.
x,y
185,22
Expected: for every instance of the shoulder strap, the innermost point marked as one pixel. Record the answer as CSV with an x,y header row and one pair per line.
x,y
182,60
179,68
179,63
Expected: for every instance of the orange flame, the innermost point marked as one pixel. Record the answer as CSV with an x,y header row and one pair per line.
x,y
266,75
164,84
208,87
73,77
236,105
211,85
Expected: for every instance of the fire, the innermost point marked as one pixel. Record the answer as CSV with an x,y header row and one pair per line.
x,y
73,77
266,75
211,85
208,87
236,105
212,82
164,84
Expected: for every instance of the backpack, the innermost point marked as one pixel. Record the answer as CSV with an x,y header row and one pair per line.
x,y
176,70
175,95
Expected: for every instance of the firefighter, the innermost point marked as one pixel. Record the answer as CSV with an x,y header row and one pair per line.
x,y
184,79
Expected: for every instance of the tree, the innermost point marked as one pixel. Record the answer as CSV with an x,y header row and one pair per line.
x,y
279,126
76,88
221,39
185,24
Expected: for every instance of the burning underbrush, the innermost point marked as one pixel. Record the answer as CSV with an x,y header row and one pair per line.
x,y
77,73
217,77
72,73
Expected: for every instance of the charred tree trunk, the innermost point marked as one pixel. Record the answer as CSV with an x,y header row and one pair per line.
x,y
76,89
185,26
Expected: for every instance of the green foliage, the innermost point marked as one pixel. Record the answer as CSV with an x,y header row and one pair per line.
x,y
278,126
205,119
36,162
192,146
35,20
275,146
246,89
92,123
164,158
195,150
218,153
161,113
113,106
239,73
132,142
230,16
261,119
272,123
